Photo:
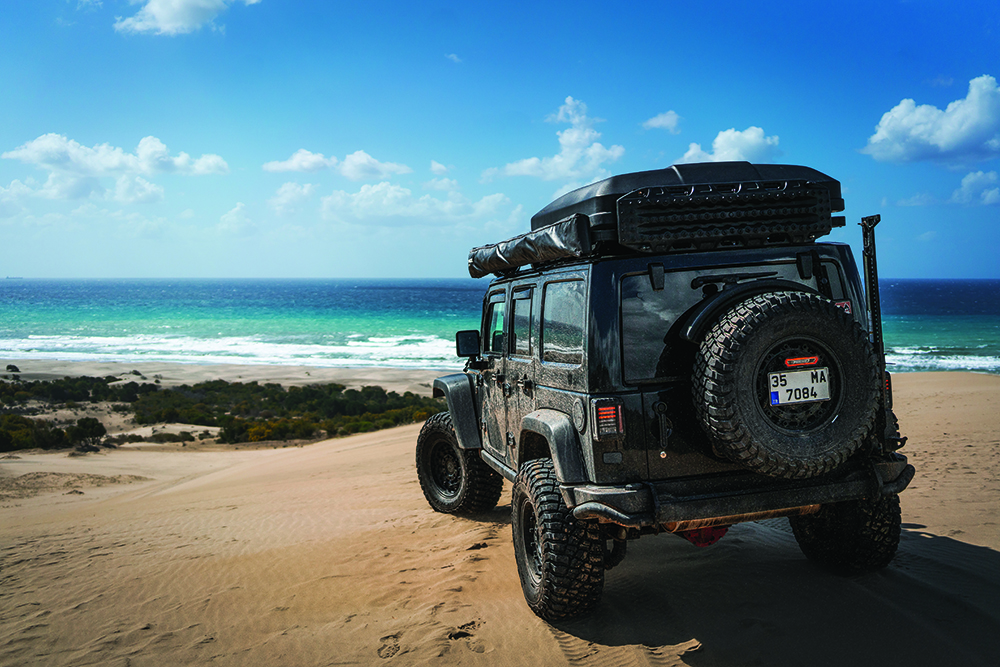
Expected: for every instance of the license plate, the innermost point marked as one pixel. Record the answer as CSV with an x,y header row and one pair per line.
x,y
799,386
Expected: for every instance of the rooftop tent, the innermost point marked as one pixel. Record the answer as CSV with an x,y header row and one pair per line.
x,y
685,207
599,199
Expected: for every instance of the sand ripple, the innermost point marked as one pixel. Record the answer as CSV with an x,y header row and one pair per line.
x,y
328,554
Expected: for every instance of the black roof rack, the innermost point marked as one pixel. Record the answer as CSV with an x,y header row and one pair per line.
x,y
698,206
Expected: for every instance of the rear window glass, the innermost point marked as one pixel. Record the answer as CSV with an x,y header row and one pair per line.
x,y
651,319
562,322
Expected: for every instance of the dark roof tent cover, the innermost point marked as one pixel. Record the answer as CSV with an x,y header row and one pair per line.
x,y
684,207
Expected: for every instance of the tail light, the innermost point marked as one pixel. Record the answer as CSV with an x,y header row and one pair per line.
x,y
888,390
608,419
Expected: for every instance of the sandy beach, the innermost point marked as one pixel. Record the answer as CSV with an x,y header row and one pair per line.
x,y
327,554
399,380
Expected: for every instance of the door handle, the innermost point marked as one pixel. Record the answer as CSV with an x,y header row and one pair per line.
x,y
666,427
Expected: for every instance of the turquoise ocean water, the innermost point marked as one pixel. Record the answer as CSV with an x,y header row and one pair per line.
x,y
929,324
941,325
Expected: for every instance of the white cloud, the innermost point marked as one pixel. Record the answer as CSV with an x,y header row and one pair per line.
x,y
62,185
920,199
360,166
941,81
751,145
445,184
75,171
967,130
174,17
141,227
438,169
155,158
289,196
927,236
302,160
90,210
130,189
392,205
580,157
667,120
235,222
978,188
10,198
58,153
452,57
129,223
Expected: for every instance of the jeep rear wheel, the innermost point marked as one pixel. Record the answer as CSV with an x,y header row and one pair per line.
x,y
770,339
854,536
559,558
454,481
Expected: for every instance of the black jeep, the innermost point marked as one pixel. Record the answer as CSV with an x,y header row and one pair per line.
x,y
672,351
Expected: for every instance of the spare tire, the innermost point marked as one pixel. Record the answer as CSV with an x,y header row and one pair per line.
x,y
786,384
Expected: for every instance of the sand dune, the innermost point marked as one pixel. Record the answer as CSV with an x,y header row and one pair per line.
x,y
328,555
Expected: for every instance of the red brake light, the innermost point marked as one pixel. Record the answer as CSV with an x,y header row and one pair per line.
x,y
608,418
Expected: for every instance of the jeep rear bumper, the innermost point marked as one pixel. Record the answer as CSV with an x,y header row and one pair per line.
x,y
729,499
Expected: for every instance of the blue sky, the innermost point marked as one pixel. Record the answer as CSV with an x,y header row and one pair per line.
x,y
259,138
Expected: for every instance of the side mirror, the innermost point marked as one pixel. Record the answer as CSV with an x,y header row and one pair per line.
x,y
467,343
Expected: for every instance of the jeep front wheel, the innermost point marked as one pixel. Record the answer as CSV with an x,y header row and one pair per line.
x,y
786,384
454,480
559,558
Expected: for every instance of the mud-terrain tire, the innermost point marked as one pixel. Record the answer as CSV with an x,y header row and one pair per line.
x,y
731,392
559,558
853,536
454,481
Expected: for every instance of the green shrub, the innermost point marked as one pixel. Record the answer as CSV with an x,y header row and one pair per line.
x,y
123,438
88,432
183,436
271,411
18,432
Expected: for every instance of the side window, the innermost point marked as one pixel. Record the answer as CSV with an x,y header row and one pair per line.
x,y
495,319
562,322
836,284
521,319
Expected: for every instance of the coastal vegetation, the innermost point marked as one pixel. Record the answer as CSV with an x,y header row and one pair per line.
x,y
243,412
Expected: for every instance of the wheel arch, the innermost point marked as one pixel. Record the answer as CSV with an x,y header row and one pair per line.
x,y
548,433
460,394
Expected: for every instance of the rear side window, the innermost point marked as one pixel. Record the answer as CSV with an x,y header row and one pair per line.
x,y
521,321
562,322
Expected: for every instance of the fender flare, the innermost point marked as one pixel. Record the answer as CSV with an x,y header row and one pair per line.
x,y
564,445
459,392
698,320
